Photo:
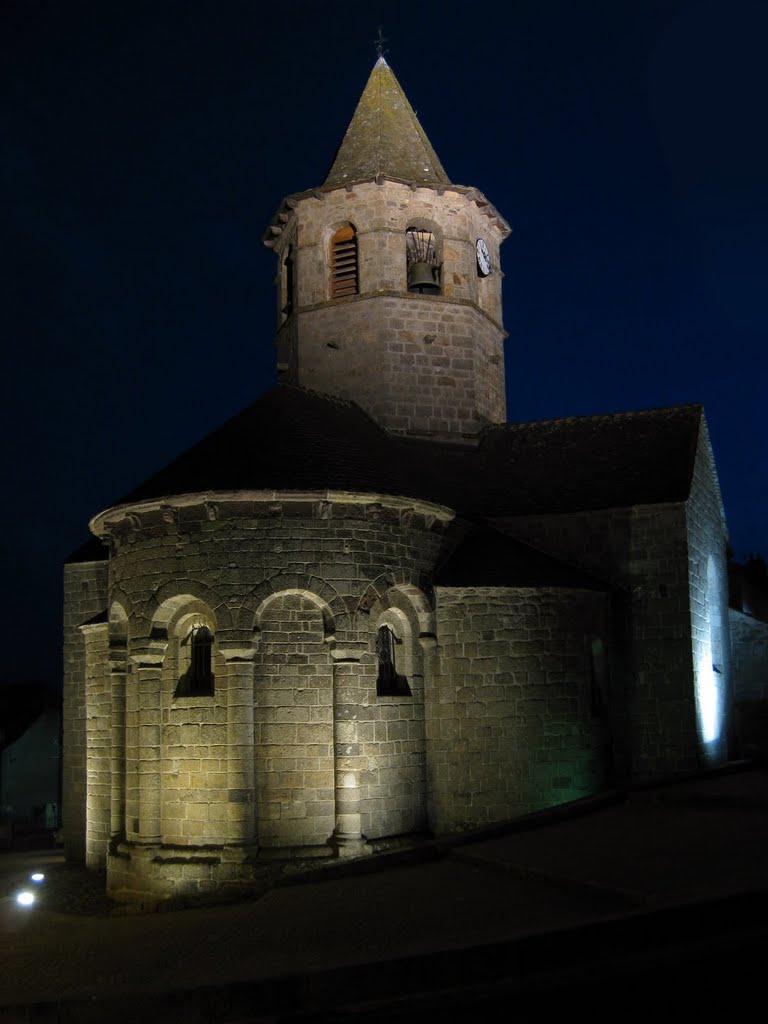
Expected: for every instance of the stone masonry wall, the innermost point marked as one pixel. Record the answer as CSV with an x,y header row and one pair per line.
x,y
381,214
642,550
708,576
98,744
512,716
294,726
421,364
391,740
85,595
194,761
418,364
288,586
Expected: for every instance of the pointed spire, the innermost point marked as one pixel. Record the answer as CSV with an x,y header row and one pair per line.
x,y
385,137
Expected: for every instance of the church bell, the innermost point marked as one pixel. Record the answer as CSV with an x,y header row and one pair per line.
x,y
423,270
421,278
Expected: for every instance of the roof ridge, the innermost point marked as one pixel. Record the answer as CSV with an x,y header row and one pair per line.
x,y
346,403
620,414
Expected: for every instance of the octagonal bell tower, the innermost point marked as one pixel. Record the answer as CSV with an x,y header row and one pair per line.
x,y
389,283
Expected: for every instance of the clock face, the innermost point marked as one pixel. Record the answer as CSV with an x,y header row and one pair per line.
x,y
483,258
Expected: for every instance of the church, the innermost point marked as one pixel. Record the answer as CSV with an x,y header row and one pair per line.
x,y
367,609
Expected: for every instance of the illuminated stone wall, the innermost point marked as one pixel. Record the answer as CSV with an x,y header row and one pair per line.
x,y
294,725
422,364
98,743
194,764
513,722
708,575
294,752
644,551
85,596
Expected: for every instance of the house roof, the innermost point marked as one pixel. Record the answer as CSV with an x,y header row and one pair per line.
x,y
385,137
21,704
294,439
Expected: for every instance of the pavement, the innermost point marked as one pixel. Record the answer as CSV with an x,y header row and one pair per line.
x,y
626,897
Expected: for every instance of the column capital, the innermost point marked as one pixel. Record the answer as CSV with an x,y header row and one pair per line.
x,y
233,652
149,654
349,653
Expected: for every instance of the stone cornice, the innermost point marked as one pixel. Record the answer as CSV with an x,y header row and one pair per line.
x,y
127,517
276,227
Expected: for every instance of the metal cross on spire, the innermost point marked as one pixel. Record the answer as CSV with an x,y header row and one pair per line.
x,y
379,43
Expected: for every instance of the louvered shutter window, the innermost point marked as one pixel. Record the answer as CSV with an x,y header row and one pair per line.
x,y
344,278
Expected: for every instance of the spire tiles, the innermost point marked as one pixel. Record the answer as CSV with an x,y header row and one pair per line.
x,y
385,137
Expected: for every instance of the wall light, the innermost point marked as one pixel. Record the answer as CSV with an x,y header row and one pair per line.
x,y
708,699
25,898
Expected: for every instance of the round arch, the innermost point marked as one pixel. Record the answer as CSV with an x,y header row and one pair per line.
x,y
331,603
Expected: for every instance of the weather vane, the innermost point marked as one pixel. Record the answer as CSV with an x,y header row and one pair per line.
x,y
379,43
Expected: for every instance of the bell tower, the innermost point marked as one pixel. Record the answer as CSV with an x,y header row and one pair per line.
x,y
389,285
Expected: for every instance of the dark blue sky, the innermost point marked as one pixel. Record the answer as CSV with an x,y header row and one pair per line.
x,y
145,145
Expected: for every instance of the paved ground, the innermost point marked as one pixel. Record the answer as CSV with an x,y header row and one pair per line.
x,y
678,873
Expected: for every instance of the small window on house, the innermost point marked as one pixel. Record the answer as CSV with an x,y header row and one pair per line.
x,y
344,270
198,679
388,681
422,267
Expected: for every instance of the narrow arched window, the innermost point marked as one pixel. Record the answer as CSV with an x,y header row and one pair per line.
x,y
344,267
198,679
423,269
388,681
290,281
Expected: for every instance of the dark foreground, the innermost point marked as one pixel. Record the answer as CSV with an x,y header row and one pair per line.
x,y
663,896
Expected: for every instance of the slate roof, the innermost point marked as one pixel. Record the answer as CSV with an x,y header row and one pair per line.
x,y
93,550
385,137
488,558
590,462
289,439
293,439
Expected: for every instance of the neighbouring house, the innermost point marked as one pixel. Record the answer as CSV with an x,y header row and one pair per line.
x,y
748,621
30,745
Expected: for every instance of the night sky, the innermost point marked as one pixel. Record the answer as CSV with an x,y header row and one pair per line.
x,y
145,145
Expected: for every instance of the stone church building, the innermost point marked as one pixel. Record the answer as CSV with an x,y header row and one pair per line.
x,y
368,607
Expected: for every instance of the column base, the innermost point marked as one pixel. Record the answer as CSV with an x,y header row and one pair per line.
x,y
348,845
